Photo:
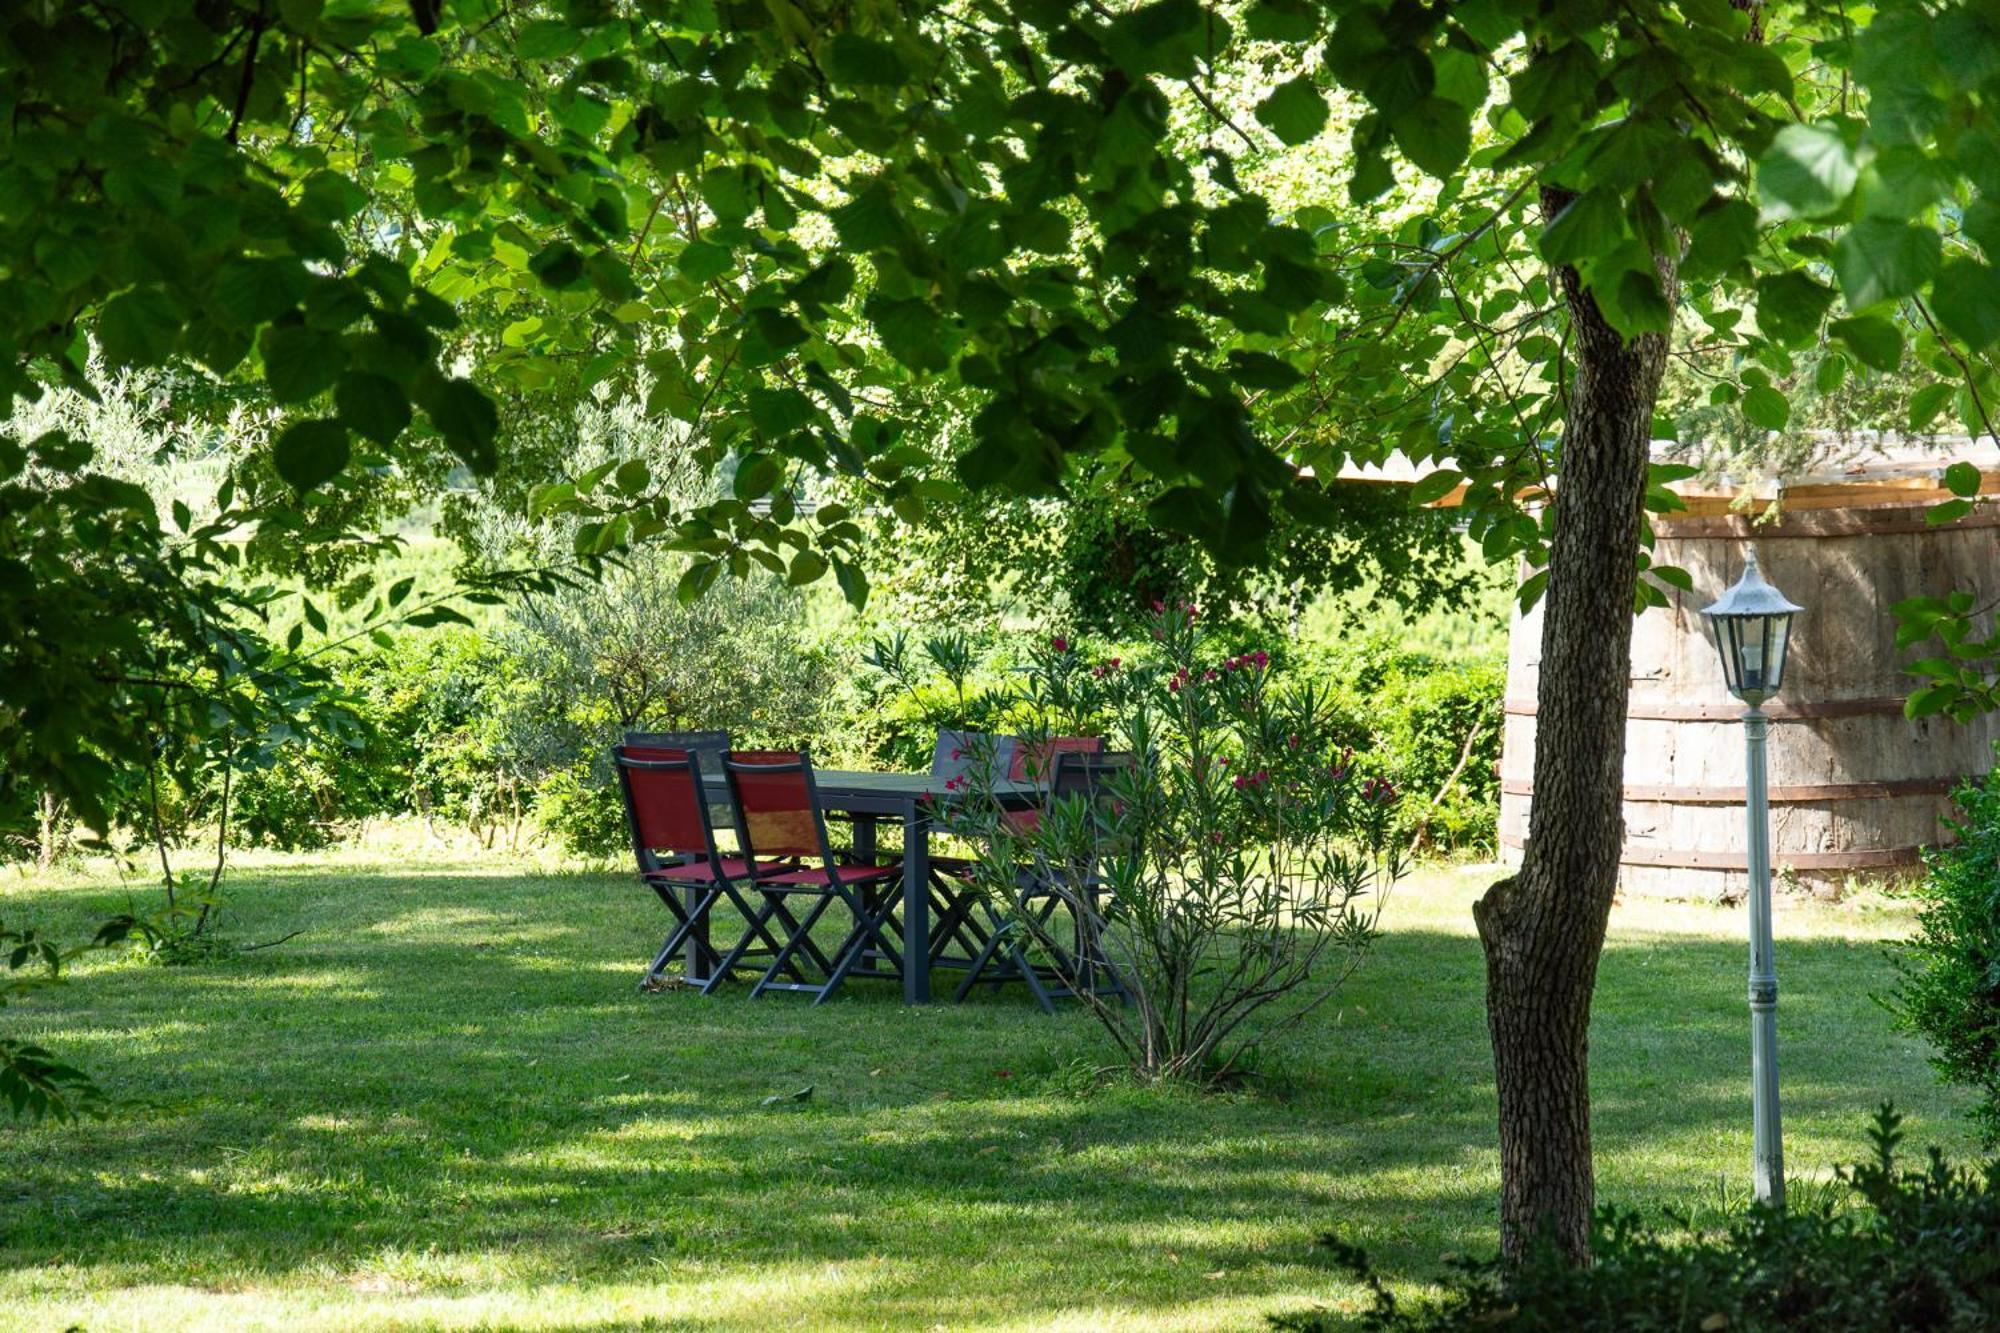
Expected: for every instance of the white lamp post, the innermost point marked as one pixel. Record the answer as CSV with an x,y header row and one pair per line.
x,y
1753,626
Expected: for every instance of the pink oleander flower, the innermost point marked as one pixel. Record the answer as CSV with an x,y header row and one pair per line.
x,y
1239,782
1059,643
1113,664
1293,740
1261,658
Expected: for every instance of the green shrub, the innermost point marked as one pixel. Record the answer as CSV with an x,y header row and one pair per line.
x,y
1948,991
1429,724
584,814
1909,1249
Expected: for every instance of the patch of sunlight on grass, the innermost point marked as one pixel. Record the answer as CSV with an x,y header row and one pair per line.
x,y
447,1106
431,920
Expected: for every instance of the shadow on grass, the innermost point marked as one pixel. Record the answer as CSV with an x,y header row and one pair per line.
x,y
450,1081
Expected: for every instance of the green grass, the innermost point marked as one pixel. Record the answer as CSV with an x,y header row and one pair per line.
x,y
446,1106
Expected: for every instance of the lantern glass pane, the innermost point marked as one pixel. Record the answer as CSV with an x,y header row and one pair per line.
x,y
1781,638
1725,643
1753,651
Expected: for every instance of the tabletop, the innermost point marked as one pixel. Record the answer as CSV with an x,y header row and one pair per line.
x,y
865,790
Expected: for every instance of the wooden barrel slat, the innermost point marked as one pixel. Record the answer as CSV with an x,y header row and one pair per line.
x,y
1857,789
1690,859
1778,795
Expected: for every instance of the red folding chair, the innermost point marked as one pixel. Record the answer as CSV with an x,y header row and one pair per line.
x,y
1090,778
666,811
1035,760
1020,759
778,814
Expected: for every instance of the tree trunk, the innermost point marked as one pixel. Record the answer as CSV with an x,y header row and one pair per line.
x,y
1543,930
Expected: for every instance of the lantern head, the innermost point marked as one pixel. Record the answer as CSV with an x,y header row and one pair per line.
x,y
1753,629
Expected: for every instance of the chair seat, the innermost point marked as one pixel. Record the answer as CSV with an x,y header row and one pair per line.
x,y
700,871
816,877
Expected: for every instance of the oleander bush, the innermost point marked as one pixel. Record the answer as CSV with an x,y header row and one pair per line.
x,y
1226,878
1903,1248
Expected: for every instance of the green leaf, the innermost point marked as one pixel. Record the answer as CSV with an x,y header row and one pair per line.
x,y
1284,21
311,453
1435,135
1929,700
1808,171
698,579
1950,511
1261,370
869,221
1880,259
372,406
853,583
1927,402
1874,339
911,331
863,62
757,475
807,567
139,327
1766,407
299,363
558,265
1637,305
1674,577
1591,224
1791,305
1719,238
702,260
780,411
1435,487
1962,479
255,291
1966,300
465,417
1295,112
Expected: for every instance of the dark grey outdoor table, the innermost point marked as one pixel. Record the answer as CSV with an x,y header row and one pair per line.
x,y
874,797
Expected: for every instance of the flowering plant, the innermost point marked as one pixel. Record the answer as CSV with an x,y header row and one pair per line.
x,y
1222,872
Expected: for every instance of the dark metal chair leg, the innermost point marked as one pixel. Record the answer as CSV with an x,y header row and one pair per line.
x,y
800,936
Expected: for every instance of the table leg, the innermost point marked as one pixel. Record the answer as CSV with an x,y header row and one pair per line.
x,y
864,839
916,905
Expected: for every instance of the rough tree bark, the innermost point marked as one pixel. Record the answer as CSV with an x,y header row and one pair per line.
x,y
1543,929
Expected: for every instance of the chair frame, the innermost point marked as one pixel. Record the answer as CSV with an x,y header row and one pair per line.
x,y
1083,971
871,935
692,913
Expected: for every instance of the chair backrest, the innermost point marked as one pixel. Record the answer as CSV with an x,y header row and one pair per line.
x,y
1088,775
710,745
664,801
1035,759
958,754
777,807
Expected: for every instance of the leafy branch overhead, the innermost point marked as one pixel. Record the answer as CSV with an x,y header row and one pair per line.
x,y
774,218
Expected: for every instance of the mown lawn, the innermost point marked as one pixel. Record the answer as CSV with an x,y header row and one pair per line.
x,y
444,1105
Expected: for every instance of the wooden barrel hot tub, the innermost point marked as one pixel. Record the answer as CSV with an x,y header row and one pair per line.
x,y
1856,789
